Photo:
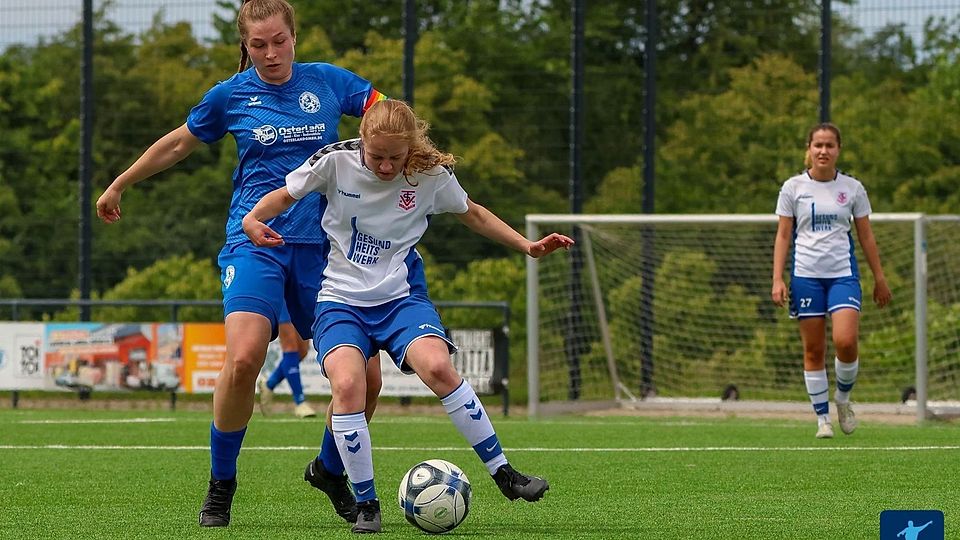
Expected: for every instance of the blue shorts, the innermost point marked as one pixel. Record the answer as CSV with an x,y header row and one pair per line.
x,y
815,297
391,327
270,281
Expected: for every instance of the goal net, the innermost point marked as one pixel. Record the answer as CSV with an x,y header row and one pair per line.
x,y
679,306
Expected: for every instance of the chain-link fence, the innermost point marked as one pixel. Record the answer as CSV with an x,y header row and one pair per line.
x,y
737,87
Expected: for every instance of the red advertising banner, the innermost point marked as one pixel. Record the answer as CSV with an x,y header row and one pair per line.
x,y
113,356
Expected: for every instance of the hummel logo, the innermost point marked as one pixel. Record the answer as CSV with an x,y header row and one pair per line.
x,y
354,449
351,437
476,416
255,100
424,326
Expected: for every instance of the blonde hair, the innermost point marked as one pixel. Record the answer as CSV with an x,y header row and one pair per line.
x,y
823,126
394,118
260,10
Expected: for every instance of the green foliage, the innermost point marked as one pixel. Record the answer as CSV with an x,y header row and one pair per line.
x,y
621,192
176,278
488,280
730,152
736,93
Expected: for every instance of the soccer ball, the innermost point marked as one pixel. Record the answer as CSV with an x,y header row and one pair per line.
x,y
435,496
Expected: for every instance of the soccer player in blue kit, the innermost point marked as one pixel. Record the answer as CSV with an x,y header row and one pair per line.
x,y
381,191
818,208
278,113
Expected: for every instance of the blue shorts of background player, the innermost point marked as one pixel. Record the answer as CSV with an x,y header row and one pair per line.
x,y
272,281
815,297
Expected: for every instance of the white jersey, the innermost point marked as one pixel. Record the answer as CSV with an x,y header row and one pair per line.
x,y
373,226
823,213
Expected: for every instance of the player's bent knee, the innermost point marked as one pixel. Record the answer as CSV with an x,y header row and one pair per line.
x,y
438,372
348,382
244,370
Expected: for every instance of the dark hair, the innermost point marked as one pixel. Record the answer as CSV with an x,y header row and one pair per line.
x,y
823,126
258,10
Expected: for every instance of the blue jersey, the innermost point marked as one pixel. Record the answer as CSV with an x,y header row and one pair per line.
x,y
276,128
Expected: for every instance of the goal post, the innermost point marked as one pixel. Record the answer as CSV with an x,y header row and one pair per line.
x,y
678,306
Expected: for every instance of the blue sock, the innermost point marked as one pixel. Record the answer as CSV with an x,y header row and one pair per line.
x,y
329,455
279,373
291,367
224,450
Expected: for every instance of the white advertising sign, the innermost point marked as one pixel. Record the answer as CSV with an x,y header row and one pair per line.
x,y
22,357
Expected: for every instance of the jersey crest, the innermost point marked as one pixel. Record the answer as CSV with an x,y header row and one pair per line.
x,y
408,199
309,102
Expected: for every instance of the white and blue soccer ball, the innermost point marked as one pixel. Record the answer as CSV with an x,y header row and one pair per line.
x,y
435,496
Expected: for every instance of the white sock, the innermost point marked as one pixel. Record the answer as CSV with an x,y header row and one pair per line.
x,y
846,376
352,436
468,415
818,388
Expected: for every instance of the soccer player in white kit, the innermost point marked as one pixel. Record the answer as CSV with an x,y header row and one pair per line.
x,y
380,191
817,208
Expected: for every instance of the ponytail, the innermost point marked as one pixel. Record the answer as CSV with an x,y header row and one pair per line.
x,y
241,26
243,57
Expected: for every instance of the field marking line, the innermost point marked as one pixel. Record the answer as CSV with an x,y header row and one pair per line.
x,y
396,420
101,421
516,449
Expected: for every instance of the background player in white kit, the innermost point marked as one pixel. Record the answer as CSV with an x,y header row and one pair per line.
x,y
817,208
380,192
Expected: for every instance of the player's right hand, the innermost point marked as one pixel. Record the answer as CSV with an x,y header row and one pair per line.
x,y
779,293
108,206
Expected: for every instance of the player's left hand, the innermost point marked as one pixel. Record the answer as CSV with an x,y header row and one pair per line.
x,y
549,244
260,234
881,293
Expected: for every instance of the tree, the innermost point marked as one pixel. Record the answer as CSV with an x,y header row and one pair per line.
x,y
730,152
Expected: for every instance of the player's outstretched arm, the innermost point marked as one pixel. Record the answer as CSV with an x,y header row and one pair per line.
x,y
486,223
270,206
163,154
